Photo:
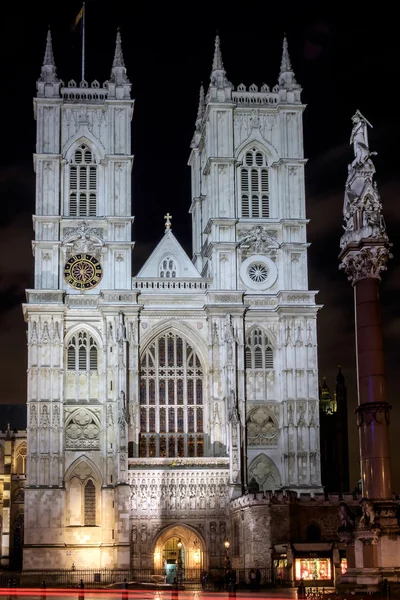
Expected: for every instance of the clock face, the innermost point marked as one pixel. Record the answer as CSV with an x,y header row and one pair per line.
x,y
83,272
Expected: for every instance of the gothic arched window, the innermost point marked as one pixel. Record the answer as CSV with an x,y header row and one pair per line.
x,y
83,184
90,504
82,353
167,267
171,399
20,460
258,352
82,367
254,185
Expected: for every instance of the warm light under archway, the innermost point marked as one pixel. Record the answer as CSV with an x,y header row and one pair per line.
x,y
193,548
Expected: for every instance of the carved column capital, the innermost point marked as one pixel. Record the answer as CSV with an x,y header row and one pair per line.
x,y
364,263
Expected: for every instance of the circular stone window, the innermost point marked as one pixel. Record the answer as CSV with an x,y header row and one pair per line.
x,y
258,272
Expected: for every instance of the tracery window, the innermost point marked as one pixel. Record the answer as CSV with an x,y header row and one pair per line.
x,y
168,267
90,504
82,374
171,399
20,460
83,184
254,185
258,351
82,353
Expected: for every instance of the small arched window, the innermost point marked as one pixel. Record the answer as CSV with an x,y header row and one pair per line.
x,y
90,504
168,267
83,184
82,353
258,351
254,185
20,460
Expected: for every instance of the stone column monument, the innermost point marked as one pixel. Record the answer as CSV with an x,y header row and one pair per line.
x,y
373,540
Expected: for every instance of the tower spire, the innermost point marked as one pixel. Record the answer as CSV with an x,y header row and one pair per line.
x,y
218,79
48,54
119,85
217,60
286,66
118,56
287,79
48,83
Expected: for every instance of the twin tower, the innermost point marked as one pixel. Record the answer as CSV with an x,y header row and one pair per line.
x,y
154,400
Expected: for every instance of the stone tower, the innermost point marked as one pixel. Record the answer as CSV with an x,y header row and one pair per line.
x,y
249,241
79,317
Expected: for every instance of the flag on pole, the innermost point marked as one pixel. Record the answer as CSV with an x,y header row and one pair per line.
x,y
78,18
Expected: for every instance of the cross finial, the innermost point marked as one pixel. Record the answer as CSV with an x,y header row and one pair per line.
x,y
167,218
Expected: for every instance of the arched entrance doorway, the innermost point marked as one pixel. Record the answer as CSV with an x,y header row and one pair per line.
x,y
179,553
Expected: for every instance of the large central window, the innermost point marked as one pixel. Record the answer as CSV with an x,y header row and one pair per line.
x,y
171,399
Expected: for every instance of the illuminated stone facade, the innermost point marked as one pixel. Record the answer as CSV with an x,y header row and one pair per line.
x,y
154,401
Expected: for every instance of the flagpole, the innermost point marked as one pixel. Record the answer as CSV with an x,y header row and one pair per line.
x,y
83,41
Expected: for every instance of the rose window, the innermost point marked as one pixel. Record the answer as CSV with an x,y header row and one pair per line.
x,y
258,272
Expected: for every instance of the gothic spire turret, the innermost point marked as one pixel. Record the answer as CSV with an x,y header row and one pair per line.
x,y
201,108
119,79
48,55
48,83
287,80
118,56
218,78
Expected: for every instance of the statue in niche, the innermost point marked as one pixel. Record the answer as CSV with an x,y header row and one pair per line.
x,y
222,532
164,494
134,534
143,534
222,495
172,495
213,537
212,494
359,139
347,520
153,495
192,495
133,498
121,331
123,412
144,496
202,494
368,514
182,495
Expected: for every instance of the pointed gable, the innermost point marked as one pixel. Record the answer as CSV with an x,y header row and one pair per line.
x,y
168,260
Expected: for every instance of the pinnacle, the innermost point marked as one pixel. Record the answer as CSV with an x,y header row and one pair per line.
x,y
286,66
201,108
217,60
118,56
48,55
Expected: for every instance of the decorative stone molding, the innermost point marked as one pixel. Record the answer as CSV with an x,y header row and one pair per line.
x,y
259,241
83,239
45,297
77,301
368,262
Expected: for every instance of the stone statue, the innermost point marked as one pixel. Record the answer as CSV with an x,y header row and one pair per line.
x,y
368,514
346,517
359,139
259,241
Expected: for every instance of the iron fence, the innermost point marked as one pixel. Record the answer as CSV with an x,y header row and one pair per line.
x,y
217,578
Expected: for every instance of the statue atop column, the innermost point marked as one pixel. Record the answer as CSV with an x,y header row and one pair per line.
x,y
364,226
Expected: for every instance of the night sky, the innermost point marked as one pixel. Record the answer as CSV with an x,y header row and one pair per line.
x,y
345,59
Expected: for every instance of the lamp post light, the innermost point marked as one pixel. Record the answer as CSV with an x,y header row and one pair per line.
x,y
227,560
179,544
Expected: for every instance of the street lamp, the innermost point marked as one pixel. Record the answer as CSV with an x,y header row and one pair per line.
x,y
179,544
227,561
